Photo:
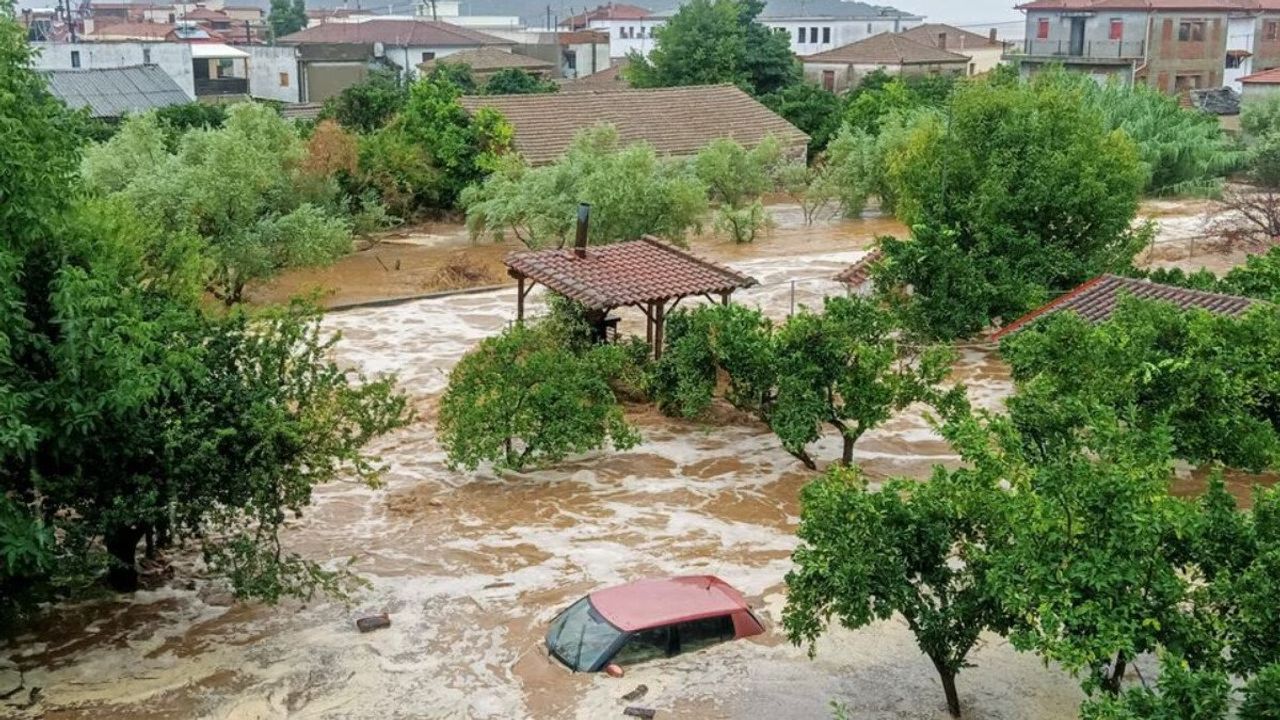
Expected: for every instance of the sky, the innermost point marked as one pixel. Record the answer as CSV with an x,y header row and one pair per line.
x,y
980,14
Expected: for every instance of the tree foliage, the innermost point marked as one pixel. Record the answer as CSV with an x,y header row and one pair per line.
x,y
844,368
130,411
370,104
631,190
532,396
1018,192
910,548
287,16
812,109
515,81
736,177
1214,380
240,190
717,41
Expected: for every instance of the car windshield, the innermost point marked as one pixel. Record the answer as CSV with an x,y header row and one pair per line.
x,y
580,637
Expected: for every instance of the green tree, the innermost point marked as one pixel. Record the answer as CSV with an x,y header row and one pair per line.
x,y
736,178
852,167
717,41
1262,696
286,17
463,148
1182,694
526,397
815,110
514,81
370,104
1260,117
457,73
1212,379
129,411
812,187
994,236
241,190
631,190
910,548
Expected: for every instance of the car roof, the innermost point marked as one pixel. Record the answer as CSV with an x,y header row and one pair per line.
x,y
653,603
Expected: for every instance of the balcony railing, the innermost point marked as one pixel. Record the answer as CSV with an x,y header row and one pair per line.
x,y
1089,50
222,86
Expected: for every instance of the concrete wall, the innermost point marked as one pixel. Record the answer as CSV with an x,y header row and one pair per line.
x,y
323,80
409,58
1097,34
1240,36
274,72
1253,93
628,35
173,58
1266,50
1174,64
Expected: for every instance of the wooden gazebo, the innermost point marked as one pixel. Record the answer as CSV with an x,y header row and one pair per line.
x,y
648,273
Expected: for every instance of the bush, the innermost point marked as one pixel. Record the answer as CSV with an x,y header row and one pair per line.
x,y
370,104
514,81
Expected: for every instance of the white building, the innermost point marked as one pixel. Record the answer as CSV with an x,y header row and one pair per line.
x,y
174,58
1240,44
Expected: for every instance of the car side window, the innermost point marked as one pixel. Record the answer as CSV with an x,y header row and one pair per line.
x,y
644,646
699,634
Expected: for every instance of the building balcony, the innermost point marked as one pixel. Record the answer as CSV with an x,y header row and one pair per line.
x,y
1096,52
221,86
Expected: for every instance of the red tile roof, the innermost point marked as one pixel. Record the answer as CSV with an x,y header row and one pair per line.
x,y
413,33
887,49
1266,77
626,273
610,78
653,603
958,39
676,121
1096,300
860,272
611,11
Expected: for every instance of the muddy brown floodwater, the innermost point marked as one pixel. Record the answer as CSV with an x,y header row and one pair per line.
x,y
471,567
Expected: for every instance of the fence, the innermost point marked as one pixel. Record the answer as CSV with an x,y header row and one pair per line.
x,y
1087,50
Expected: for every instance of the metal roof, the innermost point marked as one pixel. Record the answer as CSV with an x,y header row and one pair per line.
x,y
115,92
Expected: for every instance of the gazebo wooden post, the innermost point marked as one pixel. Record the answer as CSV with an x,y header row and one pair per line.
x,y
519,298
659,320
724,298
647,309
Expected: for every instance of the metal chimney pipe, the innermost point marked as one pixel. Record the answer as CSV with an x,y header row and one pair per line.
x,y
584,219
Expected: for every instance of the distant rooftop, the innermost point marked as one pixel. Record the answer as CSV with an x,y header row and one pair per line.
x,y
957,39
423,33
887,49
677,121
487,59
116,92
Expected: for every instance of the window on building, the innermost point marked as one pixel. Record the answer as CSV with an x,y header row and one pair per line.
x,y
1117,29
622,33
1042,29
1182,83
1234,61
869,28
1271,29
146,56
1191,31
800,35
813,34
826,34
428,56
284,79
75,58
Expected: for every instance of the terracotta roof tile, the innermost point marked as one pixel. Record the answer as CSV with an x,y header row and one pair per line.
x,y
626,273
958,39
1097,299
421,33
608,79
1266,77
887,49
860,272
676,121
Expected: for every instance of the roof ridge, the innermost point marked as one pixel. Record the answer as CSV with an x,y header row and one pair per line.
x,y
714,266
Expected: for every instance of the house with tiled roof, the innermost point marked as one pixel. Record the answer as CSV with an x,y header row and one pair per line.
x,y
894,53
405,43
485,61
676,121
1175,46
985,51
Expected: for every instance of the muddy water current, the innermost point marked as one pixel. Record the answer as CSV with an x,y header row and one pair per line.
x,y
471,567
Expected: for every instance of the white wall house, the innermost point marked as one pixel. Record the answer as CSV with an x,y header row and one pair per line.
x,y
630,35
274,73
174,58
1240,43
810,35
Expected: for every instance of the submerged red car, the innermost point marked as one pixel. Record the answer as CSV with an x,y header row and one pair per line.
x,y
649,619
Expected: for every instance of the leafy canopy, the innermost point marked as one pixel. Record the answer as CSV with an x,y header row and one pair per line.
x,y
631,190
515,81
1018,191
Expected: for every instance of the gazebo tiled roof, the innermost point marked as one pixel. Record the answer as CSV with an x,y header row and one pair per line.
x,y
860,272
641,271
1096,300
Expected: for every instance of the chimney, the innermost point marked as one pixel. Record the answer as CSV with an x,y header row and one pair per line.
x,y
992,36
584,219
942,41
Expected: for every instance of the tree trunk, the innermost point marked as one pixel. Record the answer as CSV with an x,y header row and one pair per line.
x,y
948,677
1114,680
847,458
122,545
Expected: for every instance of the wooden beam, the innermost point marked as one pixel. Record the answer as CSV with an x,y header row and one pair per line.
x,y
657,329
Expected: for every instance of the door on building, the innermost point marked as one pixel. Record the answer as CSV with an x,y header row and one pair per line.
x,y
829,80
1077,37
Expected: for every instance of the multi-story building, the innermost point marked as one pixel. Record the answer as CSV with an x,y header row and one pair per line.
x,y
1171,45
813,26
